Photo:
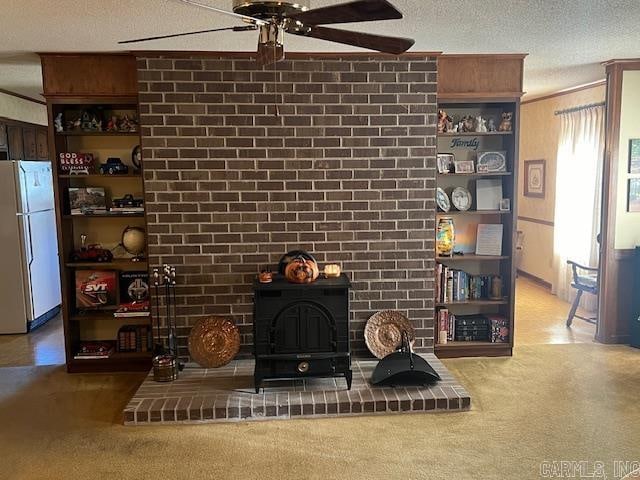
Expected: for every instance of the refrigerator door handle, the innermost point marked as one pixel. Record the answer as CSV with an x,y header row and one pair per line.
x,y
27,247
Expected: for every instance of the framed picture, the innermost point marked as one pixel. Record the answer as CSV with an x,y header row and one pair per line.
x,y
633,200
480,168
445,162
634,155
505,205
492,162
534,178
466,166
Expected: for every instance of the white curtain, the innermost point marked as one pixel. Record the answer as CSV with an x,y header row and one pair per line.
x,y
578,196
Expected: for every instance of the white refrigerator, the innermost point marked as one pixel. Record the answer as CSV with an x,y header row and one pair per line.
x,y
29,267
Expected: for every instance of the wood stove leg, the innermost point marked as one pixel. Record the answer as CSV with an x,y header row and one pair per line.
x,y
349,376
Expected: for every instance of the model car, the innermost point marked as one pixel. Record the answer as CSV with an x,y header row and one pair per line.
x,y
132,307
114,166
127,202
92,253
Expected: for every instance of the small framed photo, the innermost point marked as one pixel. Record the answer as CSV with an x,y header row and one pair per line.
x,y
633,200
466,166
482,168
505,205
534,178
634,155
445,162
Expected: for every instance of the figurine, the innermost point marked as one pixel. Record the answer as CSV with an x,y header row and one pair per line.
x,y
481,124
445,122
58,123
492,126
112,124
127,124
85,121
505,124
96,125
460,127
468,124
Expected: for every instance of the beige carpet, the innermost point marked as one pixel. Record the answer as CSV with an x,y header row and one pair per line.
x,y
548,403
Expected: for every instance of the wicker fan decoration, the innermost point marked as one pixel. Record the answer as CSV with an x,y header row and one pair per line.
x,y
383,332
214,342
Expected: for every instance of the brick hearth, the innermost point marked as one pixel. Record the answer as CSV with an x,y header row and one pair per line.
x,y
226,395
346,171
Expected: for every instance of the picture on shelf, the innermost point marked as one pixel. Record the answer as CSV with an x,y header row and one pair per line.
x,y
445,162
492,162
134,295
488,193
465,166
505,205
633,201
534,178
95,289
87,200
634,156
72,163
489,239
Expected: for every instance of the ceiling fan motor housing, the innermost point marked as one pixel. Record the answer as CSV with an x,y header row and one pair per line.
x,y
267,10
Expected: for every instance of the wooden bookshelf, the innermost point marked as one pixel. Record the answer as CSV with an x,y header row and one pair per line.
x,y
465,222
102,228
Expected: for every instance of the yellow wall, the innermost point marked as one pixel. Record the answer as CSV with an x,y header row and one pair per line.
x,y
23,110
627,224
539,137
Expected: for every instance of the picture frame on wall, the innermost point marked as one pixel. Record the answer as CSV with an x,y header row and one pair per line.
x,y
634,155
534,178
633,198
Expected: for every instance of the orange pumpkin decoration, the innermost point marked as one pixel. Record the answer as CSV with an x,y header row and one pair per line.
x,y
301,270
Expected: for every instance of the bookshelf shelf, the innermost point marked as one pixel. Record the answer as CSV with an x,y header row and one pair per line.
x,y
472,258
106,215
117,264
473,212
93,176
504,301
474,175
474,134
80,133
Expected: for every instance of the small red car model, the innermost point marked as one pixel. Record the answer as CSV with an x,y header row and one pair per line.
x,y
92,253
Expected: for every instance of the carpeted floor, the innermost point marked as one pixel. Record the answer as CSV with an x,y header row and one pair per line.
x,y
574,402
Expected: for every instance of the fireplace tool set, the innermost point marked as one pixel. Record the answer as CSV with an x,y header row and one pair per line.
x,y
166,363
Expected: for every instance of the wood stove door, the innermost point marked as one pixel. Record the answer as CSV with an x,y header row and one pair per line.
x,y
303,328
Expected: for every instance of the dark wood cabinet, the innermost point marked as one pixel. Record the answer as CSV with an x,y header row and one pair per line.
x,y
16,146
42,147
29,139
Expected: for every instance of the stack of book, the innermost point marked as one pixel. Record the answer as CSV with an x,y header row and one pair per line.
x,y
458,286
134,338
94,350
471,328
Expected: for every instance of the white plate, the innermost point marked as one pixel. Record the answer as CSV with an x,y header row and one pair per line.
x,y
461,199
494,161
442,200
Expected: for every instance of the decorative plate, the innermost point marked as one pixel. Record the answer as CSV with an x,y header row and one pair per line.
x,y
442,199
494,161
214,342
383,332
461,199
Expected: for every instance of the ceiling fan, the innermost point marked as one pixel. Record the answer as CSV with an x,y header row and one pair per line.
x,y
272,19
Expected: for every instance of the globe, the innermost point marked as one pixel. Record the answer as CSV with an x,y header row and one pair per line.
x,y
133,241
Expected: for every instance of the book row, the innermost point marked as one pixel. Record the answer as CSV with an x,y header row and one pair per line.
x,y
471,328
458,286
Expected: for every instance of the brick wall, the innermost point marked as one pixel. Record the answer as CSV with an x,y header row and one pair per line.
x,y
346,171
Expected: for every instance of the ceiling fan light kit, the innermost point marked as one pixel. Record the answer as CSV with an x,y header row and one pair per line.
x,y
273,19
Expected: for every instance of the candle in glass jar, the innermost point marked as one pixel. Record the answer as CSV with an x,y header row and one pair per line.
x,y
332,271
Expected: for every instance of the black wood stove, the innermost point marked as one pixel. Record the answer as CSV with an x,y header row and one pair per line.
x,y
301,330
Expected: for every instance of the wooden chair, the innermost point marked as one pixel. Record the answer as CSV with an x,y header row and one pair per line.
x,y
585,279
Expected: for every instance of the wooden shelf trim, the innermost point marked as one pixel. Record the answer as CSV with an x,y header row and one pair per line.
x,y
475,174
106,215
486,302
472,257
97,134
474,212
99,175
116,264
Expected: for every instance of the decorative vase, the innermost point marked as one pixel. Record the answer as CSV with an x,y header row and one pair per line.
x,y
445,237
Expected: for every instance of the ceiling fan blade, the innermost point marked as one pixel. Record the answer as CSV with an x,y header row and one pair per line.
x,y
357,11
269,54
244,18
380,43
159,37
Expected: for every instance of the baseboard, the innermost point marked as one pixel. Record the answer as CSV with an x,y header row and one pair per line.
x,y
42,319
534,279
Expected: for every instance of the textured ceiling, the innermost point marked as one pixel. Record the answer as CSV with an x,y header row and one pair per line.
x,y
566,40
